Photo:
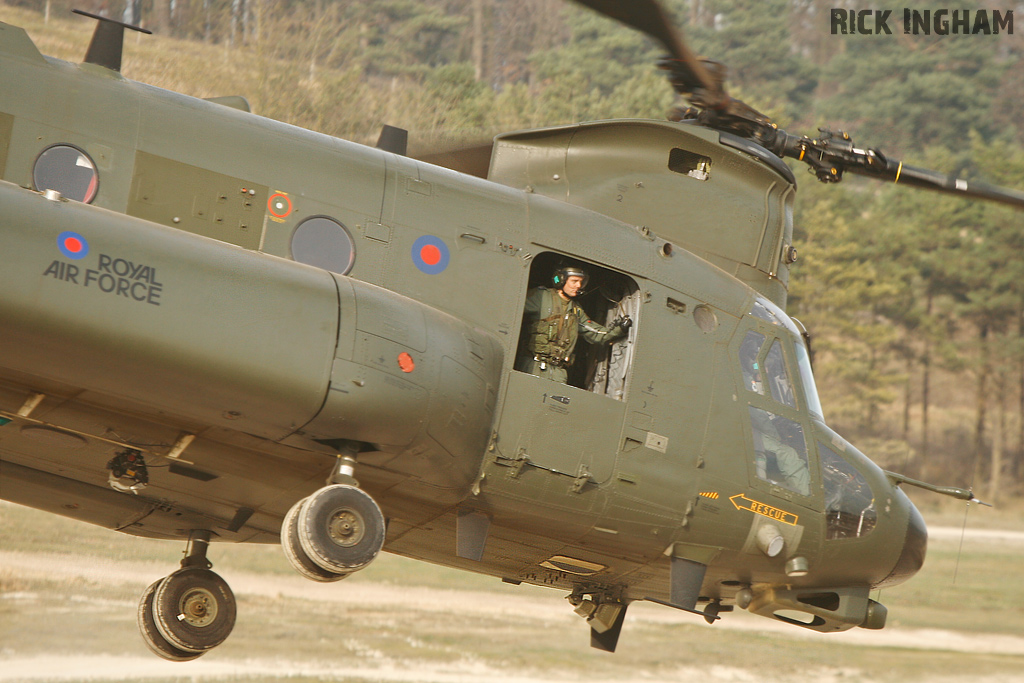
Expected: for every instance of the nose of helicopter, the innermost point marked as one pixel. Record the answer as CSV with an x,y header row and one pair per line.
x,y
915,545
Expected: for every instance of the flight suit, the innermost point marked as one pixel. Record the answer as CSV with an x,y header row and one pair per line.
x,y
767,440
552,326
795,475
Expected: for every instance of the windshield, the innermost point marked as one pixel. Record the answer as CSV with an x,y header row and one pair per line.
x,y
780,451
849,502
770,313
803,362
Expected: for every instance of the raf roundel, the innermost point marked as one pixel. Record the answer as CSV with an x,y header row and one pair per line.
x,y
430,254
72,245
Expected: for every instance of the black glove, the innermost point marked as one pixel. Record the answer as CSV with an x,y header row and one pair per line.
x,y
625,322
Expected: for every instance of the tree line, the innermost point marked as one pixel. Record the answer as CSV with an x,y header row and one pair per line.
x,y
915,300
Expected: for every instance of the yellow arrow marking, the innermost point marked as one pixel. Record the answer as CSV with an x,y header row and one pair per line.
x,y
743,503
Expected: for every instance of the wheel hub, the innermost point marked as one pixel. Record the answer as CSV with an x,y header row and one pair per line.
x,y
198,607
346,527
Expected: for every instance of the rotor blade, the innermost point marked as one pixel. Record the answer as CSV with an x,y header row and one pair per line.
x,y
649,17
898,172
646,16
834,153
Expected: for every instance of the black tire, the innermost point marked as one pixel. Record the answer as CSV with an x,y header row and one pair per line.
x,y
157,644
341,528
294,553
194,609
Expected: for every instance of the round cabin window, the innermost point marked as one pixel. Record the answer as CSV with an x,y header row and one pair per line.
x,y
67,170
325,243
705,318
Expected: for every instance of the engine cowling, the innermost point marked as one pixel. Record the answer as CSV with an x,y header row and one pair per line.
x,y
123,311
412,381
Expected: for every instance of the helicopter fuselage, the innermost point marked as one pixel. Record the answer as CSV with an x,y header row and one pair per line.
x,y
238,300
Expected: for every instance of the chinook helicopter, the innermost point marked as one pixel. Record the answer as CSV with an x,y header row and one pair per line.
x,y
222,328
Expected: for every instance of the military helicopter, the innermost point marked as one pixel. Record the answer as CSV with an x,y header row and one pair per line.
x,y
222,328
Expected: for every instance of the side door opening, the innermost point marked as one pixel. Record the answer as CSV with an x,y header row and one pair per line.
x,y
569,422
601,368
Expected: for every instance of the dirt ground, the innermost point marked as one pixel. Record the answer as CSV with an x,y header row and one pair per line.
x,y
404,611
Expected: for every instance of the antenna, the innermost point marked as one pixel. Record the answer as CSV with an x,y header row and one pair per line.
x,y
951,491
392,139
960,548
107,41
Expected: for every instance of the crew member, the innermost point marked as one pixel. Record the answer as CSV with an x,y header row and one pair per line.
x,y
768,441
553,322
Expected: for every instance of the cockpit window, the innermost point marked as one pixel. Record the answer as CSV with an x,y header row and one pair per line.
x,y
750,349
767,376
778,380
849,502
803,362
780,451
767,311
763,310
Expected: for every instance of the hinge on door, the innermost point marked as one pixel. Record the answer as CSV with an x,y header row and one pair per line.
x,y
583,476
521,461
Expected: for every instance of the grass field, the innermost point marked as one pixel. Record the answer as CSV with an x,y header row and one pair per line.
x,y
68,593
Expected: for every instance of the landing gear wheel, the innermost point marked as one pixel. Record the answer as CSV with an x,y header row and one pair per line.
x,y
341,528
157,644
297,557
194,609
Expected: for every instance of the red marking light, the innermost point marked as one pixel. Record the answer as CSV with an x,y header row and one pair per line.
x,y
405,362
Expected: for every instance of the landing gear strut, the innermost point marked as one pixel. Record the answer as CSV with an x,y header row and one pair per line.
x,y
336,531
190,612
